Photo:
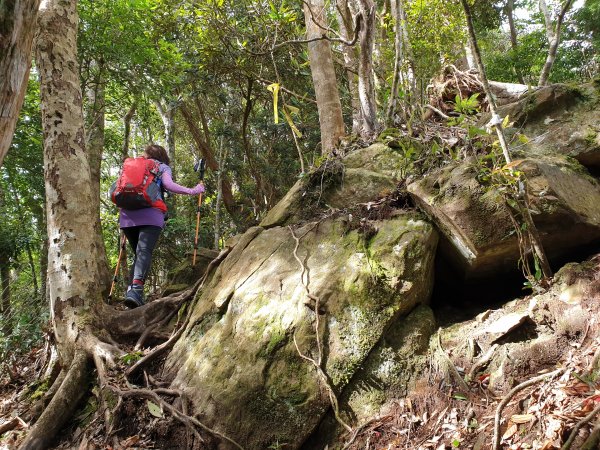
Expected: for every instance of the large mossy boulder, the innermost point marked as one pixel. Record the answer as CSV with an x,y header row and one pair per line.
x,y
390,372
361,176
239,360
480,238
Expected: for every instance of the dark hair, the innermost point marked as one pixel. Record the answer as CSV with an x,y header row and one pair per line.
x,y
157,152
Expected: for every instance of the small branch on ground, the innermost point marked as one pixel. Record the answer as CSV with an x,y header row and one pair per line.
x,y
587,419
15,422
510,395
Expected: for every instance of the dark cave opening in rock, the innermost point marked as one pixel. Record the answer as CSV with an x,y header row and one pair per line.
x,y
455,299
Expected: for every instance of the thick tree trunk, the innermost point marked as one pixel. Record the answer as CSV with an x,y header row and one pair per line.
x,y
329,106
17,27
366,84
351,61
95,117
73,276
553,34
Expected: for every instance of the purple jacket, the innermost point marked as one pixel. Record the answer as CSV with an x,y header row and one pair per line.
x,y
152,216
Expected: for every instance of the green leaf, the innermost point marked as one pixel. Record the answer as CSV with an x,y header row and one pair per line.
x,y
155,410
455,443
459,397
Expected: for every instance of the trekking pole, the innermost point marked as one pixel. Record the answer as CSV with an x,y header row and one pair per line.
x,y
121,250
199,167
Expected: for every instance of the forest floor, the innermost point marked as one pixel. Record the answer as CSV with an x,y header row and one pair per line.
x,y
540,411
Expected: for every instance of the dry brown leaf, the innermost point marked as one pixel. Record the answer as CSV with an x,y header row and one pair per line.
x,y
577,389
521,418
510,432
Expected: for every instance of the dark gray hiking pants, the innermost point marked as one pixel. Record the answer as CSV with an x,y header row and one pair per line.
x,y
142,241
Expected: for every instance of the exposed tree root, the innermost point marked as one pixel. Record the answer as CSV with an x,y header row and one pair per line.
x,y
101,342
481,361
510,395
62,405
587,419
451,367
317,363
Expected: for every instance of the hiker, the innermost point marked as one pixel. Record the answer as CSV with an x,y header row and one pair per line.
x,y
142,226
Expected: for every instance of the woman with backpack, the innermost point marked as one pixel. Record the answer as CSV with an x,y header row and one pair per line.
x,y
142,225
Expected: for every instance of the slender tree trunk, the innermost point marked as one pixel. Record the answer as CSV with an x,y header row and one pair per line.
x,y
366,83
127,129
497,123
510,6
392,108
351,61
167,113
259,198
323,74
94,132
5,297
222,158
211,161
17,27
553,34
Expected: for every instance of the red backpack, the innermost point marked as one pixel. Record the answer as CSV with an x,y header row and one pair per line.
x,y
138,185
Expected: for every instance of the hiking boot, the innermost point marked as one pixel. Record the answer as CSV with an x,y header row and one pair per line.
x,y
134,296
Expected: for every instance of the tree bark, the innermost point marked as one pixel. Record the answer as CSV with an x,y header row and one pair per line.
x,y
17,28
553,34
398,58
73,274
322,70
366,83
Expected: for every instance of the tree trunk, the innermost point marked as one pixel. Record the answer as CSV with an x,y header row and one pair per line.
x,y
553,34
17,27
211,161
127,129
532,229
94,132
73,274
366,84
351,62
329,106
392,108
167,114
5,297
510,6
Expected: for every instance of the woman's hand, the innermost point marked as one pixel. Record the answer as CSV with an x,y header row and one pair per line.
x,y
199,189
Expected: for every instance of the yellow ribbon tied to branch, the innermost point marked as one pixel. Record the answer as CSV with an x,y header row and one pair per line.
x,y
274,88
